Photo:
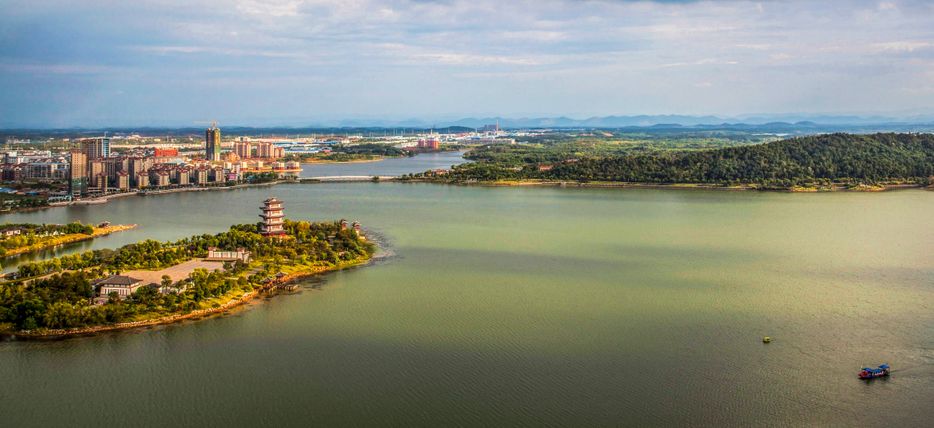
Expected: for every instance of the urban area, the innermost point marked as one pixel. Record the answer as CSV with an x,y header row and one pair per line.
x,y
93,169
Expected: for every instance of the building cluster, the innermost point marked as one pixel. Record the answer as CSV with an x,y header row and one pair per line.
x,y
94,171
245,149
90,169
38,165
429,143
239,167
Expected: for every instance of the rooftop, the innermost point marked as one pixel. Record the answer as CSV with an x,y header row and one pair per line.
x,y
118,280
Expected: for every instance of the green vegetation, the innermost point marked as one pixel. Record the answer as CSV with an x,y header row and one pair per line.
x,y
58,293
260,177
372,149
610,143
26,236
350,153
814,161
9,202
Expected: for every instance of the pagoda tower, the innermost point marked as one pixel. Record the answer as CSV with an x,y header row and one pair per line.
x,y
272,218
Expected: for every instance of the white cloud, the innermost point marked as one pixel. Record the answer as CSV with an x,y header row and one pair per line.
x,y
566,52
887,5
902,46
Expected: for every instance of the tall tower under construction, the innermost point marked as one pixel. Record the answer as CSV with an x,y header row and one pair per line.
x,y
212,143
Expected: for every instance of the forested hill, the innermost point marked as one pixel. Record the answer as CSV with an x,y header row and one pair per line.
x,y
821,159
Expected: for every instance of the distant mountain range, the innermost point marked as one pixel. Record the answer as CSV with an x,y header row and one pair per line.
x,y
683,120
669,120
787,123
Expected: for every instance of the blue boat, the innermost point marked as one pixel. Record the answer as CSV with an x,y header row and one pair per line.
x,y
868,373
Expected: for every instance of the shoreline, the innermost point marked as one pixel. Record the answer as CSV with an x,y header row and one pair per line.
x,y
205,189
325,161
198,314
69,239
676,186
508,183
105,199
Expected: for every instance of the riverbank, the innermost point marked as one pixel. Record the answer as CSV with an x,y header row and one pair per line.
x,y
55,241
206,189
233,300
677,186
503,183
328,161
347,179
104,199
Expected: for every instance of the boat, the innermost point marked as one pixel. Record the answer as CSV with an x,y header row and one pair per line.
x,y
868,373
766,339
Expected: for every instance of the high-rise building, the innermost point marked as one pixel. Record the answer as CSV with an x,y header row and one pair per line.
x,y
264,150
212,143
95,167
273,218
243,149
123,181
78,173
95,148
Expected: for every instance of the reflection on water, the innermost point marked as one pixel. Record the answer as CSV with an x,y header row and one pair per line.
x,y
9,263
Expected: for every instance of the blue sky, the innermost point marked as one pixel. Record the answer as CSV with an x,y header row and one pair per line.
x,y
264,62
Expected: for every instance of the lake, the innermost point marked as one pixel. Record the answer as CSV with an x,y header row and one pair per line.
x,y
525,306
386,167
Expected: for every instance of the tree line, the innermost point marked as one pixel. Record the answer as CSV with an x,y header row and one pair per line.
x,y
829,158
62,297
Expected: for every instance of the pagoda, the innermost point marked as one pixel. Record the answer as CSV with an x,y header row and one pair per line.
x,y
272,218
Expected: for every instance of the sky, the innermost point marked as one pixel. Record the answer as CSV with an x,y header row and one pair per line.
x,y
292,62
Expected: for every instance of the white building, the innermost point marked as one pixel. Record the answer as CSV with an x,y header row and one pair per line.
x,y
218,255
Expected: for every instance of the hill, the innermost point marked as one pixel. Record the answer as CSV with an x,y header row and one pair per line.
x,y
844,159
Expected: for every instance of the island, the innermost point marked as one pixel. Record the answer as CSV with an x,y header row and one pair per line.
x,y
813,163
153,282
16,239
367,152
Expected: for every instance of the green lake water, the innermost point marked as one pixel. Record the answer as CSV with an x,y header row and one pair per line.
x,y
525,306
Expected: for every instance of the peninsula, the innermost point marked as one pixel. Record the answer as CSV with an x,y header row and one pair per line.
x,y
814,163
16,239
152,282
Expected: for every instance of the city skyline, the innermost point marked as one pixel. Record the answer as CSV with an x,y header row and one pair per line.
x,y
317,62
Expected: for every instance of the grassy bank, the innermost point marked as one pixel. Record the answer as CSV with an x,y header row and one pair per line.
x,y
54,241
833,187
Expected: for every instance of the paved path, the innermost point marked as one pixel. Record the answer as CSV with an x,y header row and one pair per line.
x,y
177,272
